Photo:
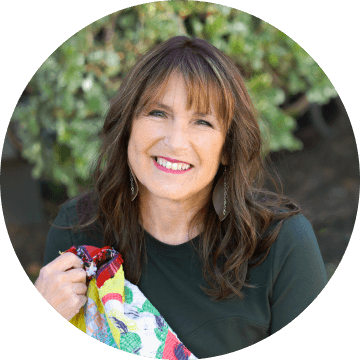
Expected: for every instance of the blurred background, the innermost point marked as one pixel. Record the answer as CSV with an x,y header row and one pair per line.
x,y
53,136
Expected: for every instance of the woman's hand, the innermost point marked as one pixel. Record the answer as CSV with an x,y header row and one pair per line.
x,y
62,284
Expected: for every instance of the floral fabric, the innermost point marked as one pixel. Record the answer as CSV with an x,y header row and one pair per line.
x,y
117,312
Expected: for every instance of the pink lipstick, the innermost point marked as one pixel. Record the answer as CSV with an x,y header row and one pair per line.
x,y
173,160
170,171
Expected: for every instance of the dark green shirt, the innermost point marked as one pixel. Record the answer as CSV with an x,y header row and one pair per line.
x,y
289,279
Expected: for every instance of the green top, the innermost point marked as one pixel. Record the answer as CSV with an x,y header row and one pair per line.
x,y
289,279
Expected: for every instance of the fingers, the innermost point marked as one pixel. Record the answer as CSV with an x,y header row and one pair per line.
x,y
75,276
65,262
79,289
73,268
83,300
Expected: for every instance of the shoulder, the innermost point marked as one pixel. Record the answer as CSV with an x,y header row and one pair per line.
x,y
296,229
296,247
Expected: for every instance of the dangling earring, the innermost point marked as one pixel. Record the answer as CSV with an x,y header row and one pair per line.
x,y
134,187
225,192
219,197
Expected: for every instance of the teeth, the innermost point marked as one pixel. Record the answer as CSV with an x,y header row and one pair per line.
x,y
173,166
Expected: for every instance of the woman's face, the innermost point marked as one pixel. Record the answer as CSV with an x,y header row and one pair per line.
x,y
174,152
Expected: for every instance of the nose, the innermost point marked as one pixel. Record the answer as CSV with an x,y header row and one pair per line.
x,y
177,136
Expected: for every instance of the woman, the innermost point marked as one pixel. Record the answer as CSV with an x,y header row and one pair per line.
x,y
178,192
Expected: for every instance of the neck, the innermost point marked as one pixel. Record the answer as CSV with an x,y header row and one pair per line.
x,y
169,220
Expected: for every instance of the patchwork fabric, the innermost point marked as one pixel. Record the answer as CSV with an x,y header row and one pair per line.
x,y
117,312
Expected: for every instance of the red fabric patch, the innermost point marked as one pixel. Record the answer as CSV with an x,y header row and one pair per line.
x,y
174,349
106,260
112,296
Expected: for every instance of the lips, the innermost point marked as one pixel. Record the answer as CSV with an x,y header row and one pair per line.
x,y
173,160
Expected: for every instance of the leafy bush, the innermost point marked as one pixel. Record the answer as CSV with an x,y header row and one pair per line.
x,y
61,112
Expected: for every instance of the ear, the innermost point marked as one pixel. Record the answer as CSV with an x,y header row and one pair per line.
x,y
224,158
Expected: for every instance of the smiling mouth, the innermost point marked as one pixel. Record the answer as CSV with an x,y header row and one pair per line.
x,y
155,158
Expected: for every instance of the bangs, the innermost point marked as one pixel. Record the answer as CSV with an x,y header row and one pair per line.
x,y
207,85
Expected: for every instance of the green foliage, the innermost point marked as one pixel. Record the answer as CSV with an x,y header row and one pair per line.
x,y
66,100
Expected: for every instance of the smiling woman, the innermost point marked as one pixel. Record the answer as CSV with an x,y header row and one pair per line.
x,y
178,192
160,141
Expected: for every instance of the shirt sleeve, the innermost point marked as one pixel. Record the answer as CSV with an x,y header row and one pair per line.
x,y
298,272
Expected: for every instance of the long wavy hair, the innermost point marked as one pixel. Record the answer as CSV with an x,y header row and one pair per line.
x,y
229,248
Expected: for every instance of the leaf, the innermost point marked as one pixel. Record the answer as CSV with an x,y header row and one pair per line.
x,y
260,82
197,26
215,26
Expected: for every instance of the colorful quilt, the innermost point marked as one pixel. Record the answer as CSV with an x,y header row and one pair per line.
x,y
117,312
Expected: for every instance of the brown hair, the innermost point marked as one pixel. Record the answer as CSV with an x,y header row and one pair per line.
x,y
228,248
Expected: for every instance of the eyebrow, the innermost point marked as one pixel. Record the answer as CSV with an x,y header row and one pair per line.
x,y
168,108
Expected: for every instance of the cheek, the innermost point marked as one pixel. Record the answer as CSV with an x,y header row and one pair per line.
x,y
140,138
210,148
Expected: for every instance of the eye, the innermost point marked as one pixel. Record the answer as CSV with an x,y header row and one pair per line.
x,y
154,112
203,122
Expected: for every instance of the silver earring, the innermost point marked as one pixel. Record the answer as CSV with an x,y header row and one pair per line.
x,y
225,191
132,184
